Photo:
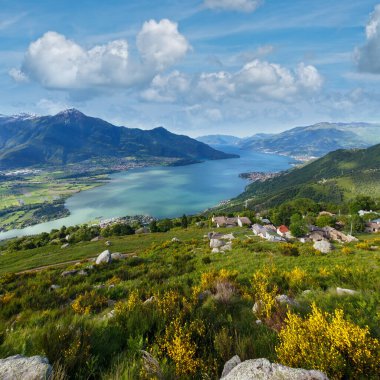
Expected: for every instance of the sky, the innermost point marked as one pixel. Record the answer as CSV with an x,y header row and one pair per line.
x,y
196,67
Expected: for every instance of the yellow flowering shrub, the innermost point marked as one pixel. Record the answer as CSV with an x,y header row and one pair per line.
x,y
297,277
88,302
6,298
329,343
363,245
168,303
265,292
181,348
114,280
324,272
347,251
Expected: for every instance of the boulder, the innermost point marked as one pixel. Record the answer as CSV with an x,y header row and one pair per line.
x,y
256,369
284,299
149,300
142,230
63,246
82,272
175,240
230,365
323,246
117,256
96,238
215,250
257,307
227,247
108,243
228,237
69,273
104,257
345,292
25,368
216,243
54,287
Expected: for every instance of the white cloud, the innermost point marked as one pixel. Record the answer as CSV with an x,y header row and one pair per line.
x,y
57,62
167,88
233,5
255,81
18,76
160,44
368,56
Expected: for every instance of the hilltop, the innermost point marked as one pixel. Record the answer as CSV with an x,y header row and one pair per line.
x,y
72,137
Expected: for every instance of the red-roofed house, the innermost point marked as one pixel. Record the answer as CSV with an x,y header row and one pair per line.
x,y
283,231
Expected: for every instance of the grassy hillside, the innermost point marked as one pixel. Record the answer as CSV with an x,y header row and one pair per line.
x,y
201,313
337,176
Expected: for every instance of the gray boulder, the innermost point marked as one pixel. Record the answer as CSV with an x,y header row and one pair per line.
x,y
117,256
175,240
69,273
216,243
215,250
108,243
104,257
63,246
323,246
25,368
284,299
263,369
227,247
346,292
257,307
230,365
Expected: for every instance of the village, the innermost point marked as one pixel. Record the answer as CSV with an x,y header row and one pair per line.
x,y
321,237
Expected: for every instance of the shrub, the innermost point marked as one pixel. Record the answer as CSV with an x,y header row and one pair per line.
x,y
89,302
288,249
206,260
329,343
297,278
347,250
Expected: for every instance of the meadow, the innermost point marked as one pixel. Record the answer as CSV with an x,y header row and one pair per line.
x,y
190,310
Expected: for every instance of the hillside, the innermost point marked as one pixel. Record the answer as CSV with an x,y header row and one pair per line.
x,y
72,137
339,174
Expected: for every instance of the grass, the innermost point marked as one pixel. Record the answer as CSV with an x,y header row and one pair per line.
x,y
35,316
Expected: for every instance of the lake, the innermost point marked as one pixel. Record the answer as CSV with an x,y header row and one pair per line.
x,y
163,191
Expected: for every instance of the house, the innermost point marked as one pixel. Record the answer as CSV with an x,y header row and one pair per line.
x,y
259,230
222,221
273,236
373,226
266,233
283,231
243,221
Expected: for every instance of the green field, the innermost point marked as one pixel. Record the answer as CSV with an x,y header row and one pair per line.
x,y
211,329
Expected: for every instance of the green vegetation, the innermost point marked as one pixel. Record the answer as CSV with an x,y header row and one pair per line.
x,y
201,311
335,178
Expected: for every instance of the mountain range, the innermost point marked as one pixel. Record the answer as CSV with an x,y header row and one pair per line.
x,y
72,137
333,178
312,141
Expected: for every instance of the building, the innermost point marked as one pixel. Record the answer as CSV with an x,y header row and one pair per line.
x,y
222,221
373,226
283,231
243,221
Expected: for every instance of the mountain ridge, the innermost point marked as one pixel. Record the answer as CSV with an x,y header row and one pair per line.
x,y
72,137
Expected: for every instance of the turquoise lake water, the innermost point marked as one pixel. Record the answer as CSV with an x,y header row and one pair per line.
x,y
163,191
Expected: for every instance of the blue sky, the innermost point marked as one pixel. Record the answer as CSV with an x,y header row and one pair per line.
x,y
195,67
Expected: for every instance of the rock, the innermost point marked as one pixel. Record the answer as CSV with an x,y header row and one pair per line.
x,y
69,273
228,237
259,322
99,286
104,257
323,246
111,314
215,250
344,292
82,272
67,237
108,243
257,307
63,246
117,256
227,247
230,365
54,287
175,240
97,238
260,369
25,368
142,230
284,299
306,292
216,243
149,300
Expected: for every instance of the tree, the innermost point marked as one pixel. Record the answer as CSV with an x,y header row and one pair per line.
x,y
325,220
184,221
153,226
298,225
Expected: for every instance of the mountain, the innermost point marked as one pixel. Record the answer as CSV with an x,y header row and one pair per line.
x,y
315,140
72,137
332,178
219,140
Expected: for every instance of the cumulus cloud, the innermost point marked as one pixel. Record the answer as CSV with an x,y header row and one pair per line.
x,y
160,44
57,62
233,5
18,75
368,56
167,88
257,80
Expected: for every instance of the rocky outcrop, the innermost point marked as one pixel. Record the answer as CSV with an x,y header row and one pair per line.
x,y
323,246
346,292
263,369
230,365
104,257
25,368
